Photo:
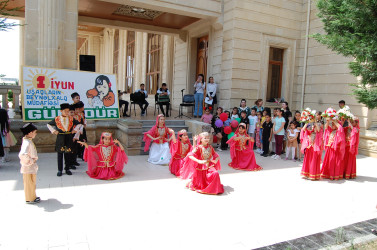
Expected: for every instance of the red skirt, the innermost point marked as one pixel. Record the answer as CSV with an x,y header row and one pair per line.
x,y
105,173
332,167
311,167
245,160
349,165
206,182
175,166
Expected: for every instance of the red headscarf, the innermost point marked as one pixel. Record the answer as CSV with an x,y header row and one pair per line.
x,y
106,134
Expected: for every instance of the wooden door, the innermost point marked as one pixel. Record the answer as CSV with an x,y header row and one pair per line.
x,y
202,57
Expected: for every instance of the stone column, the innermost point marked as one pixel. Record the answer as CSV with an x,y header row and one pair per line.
x,y
51,33
16,102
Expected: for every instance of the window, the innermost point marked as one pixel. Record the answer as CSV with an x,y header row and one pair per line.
x,y
130,67
153,63
116,52
275,71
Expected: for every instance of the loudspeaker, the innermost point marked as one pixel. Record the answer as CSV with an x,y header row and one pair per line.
x,y
88,63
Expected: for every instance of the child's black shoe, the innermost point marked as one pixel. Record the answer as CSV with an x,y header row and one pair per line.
x,y
68,172
59,173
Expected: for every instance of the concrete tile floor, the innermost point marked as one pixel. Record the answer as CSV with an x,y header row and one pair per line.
x,y
151,209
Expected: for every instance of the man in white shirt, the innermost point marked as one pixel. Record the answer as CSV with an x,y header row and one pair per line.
x,y
162,93
142,101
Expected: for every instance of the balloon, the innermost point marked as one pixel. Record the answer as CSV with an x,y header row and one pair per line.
x,y
219,123
234,123
223,117
227,130
230,135
238,119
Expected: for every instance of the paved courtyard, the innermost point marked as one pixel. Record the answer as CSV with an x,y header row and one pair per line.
x,y
151,209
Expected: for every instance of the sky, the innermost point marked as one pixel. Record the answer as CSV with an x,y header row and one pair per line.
x,y
10,52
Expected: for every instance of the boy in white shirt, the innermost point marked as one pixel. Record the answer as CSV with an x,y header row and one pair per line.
x,y
253,119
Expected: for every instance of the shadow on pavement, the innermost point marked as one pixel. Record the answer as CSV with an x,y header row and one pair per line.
x,y
52,205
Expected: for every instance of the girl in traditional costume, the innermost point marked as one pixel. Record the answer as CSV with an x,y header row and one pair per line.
x,y
160,136
178,150
204,162
105,160
241,150
352,145
312,147
332,167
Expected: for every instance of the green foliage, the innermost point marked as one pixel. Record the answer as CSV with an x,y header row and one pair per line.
x,y
4,14
10,96
351,30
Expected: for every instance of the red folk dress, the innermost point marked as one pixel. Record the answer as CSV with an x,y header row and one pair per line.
x,y
242,154
312,146
178,151
332,167
351,151
105,162
205,178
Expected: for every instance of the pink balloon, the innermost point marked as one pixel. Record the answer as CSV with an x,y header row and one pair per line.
x,y
234,124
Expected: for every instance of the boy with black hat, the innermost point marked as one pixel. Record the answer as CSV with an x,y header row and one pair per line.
x,y
28,159
64,126
80,117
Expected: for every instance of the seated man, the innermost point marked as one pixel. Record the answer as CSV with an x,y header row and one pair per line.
x,y
164,99
141,95
121,102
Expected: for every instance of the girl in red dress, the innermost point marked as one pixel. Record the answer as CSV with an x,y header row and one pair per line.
x,y
178,150
160,136
352,145
312,147
204,162
105,160
241,150
332,167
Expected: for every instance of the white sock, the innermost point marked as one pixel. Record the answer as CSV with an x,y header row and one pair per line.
x,y
293,153
287,152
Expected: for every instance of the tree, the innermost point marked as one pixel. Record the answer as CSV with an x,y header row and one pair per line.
x,y
5,25
351,30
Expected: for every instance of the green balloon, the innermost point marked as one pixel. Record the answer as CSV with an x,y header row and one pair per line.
x,y
230,135
239,120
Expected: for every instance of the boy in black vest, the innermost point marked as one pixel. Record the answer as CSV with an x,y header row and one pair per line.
x,y
63,127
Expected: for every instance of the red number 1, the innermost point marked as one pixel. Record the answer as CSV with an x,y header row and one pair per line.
x,y
41,80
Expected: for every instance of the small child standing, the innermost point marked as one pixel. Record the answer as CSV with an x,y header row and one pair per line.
x,y
234,114
7,136
292,140
28,159
258,139
253,119
244,119
228,120
207,116
267,134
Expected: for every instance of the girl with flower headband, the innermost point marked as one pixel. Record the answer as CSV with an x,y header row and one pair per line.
x,y
203,162
101,94
312,145
351,150
178,150
241,150
332,167
160,136
105,160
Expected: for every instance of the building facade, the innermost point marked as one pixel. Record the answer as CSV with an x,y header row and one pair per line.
x,y
253,48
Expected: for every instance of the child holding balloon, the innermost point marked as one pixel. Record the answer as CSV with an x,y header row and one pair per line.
x,y
217,125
